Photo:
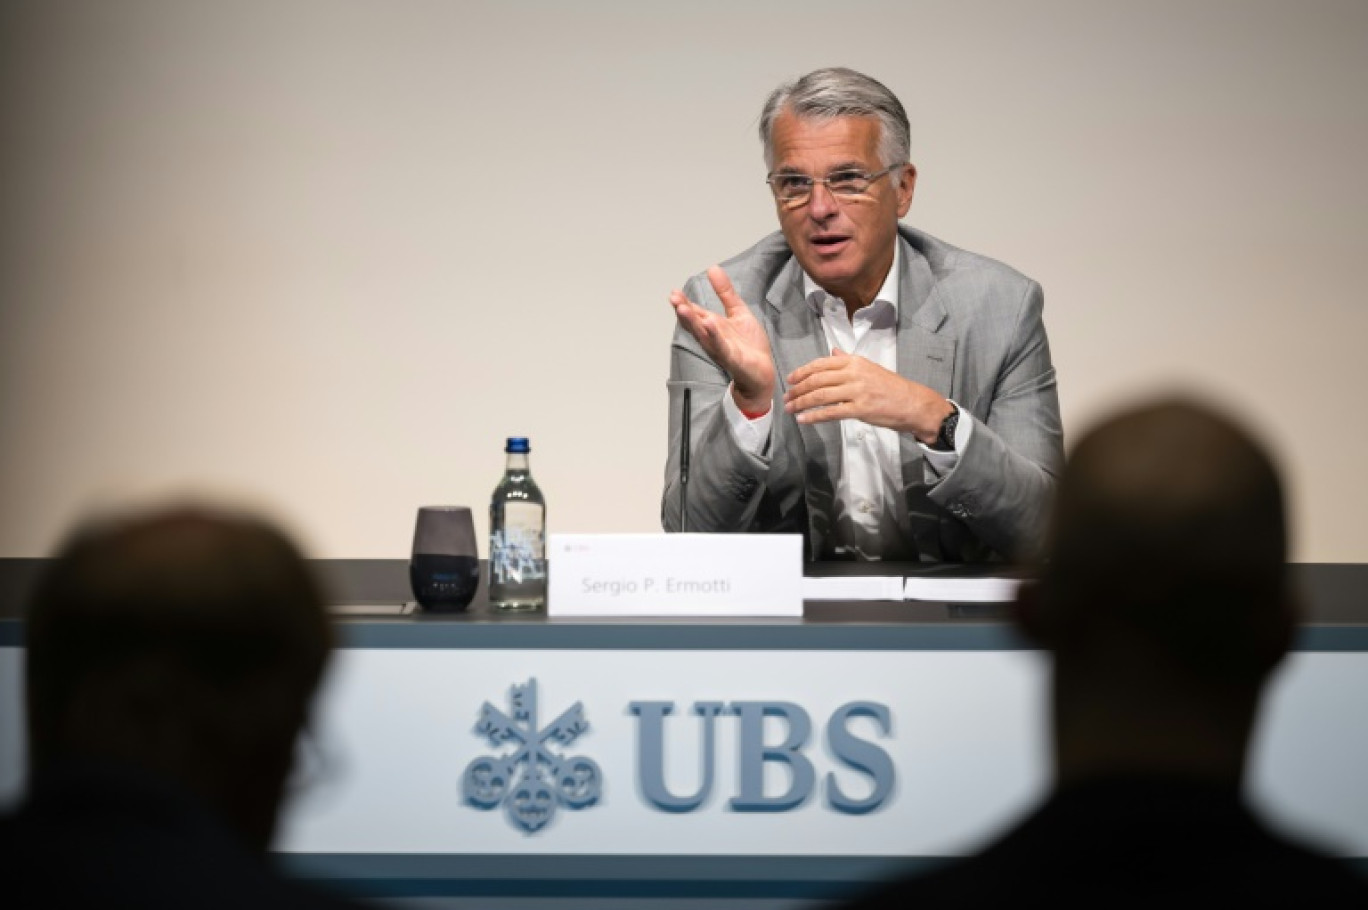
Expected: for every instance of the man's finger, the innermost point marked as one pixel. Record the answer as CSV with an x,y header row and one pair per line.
x,y
691,316
686,309
678,299
816,398
731,301
820,380
679,303
704,325
820,365
838,411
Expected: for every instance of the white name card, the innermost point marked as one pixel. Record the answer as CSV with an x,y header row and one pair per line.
x,y
675,575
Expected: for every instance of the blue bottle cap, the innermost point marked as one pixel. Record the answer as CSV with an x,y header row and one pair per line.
x,y
517,445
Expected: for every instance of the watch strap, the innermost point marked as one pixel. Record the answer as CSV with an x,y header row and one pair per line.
x,y
945,439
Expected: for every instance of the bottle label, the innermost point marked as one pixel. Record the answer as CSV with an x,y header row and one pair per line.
x,y
517,551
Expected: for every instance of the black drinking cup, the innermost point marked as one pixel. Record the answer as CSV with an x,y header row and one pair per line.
x,y
445,569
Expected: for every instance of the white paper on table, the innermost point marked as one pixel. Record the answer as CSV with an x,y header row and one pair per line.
x,y
961,590
854,587
399,609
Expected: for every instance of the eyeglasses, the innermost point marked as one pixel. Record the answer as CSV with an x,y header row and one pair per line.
x,y
793,190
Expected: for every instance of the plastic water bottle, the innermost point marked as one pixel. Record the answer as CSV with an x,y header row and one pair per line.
x,y
517,536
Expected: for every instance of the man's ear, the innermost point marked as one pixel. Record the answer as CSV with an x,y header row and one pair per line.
x,y
905,186
1030,614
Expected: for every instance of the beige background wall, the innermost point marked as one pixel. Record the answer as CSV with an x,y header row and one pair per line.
x,y
326,254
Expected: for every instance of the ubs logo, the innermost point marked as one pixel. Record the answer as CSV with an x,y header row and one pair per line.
x,y
531,781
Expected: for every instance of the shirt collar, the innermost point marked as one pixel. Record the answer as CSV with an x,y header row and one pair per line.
x,y
815,295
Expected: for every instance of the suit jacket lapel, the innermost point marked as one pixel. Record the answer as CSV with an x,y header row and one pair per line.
x,y
797,339
926,354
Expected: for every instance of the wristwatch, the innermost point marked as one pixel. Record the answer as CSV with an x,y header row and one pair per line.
x,y
945,440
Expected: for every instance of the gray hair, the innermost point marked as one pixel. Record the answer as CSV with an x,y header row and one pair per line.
x,y
839,92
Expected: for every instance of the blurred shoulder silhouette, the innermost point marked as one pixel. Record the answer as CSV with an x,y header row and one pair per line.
x,y
171,662
1164,604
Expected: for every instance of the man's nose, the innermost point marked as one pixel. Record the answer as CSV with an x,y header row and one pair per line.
x,y
822,203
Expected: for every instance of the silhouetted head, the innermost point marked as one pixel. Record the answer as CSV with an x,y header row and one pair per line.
x,y
1164,589
187,643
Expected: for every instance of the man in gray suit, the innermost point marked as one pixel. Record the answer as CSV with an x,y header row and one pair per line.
x,y
885,394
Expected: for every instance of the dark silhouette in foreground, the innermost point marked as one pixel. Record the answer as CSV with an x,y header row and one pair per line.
x,y
1164,604
171,662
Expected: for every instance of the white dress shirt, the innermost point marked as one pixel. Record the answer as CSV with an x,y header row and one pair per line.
x,y
871,512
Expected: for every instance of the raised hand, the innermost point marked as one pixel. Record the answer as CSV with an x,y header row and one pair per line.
x,y
736,342
843,386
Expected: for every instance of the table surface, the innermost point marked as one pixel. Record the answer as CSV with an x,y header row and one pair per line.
x,y
1334,594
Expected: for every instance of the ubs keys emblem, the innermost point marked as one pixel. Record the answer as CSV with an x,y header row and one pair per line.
x,y
531,781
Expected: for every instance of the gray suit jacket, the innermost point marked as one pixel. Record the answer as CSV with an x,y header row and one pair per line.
x,y
968,327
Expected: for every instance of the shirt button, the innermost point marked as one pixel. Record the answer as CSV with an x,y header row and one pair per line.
x,y
866,506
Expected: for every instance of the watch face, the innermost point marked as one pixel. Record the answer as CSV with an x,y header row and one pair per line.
x,y
945,441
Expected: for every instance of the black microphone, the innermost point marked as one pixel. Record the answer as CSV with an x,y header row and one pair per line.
x,y
684,464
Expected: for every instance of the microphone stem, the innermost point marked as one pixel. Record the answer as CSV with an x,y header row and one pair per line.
x,y
684,448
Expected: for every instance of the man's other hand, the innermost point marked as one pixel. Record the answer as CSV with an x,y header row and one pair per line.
x,y
843,387
736,342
